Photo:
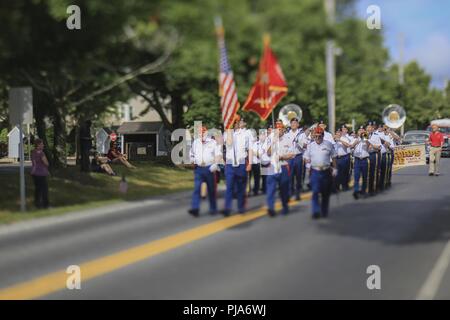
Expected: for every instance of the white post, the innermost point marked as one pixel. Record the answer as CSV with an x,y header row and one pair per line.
x,y
20,113
22,171
330,68
401,74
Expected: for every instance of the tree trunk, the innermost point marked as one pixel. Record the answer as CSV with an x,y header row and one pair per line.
x,y
59,140
42,133
177,113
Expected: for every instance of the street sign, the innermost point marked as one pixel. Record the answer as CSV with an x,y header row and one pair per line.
x,y
20,106
13,143
113,136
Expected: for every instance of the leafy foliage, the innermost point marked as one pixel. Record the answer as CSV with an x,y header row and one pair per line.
x,y
65,67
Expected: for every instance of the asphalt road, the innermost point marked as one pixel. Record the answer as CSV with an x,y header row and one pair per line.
x,y
125,254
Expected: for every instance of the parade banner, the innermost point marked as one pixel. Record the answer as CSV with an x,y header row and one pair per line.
x,y
410,155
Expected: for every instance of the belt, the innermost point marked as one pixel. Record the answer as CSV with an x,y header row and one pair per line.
x,y
361,158
320,168
204,166
435,147
339,157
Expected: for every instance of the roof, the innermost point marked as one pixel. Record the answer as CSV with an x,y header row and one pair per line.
x,y
140,127
15,130
417,131
111,129
441,122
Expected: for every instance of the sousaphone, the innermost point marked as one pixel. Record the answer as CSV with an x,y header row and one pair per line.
x,y
289,112
394,116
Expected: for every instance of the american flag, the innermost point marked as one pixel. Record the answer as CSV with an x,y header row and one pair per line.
x,y
229,102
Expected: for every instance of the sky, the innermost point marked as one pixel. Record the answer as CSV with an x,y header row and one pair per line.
x,y
425,25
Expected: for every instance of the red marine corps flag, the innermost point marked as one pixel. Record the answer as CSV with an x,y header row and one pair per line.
x,y
270,86
229,102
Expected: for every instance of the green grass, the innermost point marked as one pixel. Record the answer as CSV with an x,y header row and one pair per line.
x,y
72,190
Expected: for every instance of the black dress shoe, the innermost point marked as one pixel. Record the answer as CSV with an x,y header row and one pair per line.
x,y
271,213
193,212
431,174
356,195
297,197
316,216
226,213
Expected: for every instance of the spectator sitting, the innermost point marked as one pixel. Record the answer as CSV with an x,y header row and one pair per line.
x,y
100,165
115,156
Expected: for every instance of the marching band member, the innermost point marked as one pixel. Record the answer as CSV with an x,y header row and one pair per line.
x,y
237,165
298,141
256,164
318,155
394,140
385,145
263,135
343,144
205,154
374,158
361,164
277,151
327,136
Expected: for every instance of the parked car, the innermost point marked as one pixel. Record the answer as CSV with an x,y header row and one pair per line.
x,y
418,137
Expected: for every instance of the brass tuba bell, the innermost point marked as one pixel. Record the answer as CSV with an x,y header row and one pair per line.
x,y
289,112
394,116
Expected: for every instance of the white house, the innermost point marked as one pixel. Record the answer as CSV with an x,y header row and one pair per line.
x,y
13,143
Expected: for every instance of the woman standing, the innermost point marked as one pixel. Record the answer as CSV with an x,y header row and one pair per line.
x,y
39,172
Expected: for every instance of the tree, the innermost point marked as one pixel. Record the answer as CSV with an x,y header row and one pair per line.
x,y
64,66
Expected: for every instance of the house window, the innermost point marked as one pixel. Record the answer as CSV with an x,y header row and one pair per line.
x,y
130,112
126,112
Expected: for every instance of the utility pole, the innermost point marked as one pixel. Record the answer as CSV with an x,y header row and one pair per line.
x,y
445,87
401,75
330,8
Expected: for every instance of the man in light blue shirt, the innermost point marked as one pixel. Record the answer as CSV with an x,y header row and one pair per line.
x,y
321,156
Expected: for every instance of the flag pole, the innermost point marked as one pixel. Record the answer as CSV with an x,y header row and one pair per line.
x,y
266,41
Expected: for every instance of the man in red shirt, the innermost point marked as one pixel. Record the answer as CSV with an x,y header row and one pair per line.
x,y
436,141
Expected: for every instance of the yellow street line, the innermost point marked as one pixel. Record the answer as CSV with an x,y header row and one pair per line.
x,y
56,281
